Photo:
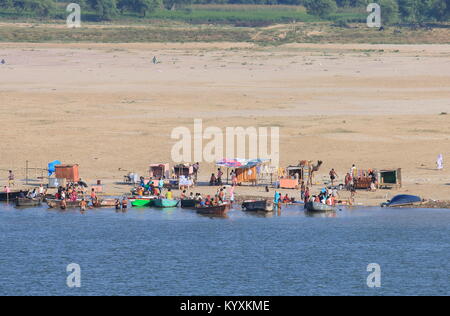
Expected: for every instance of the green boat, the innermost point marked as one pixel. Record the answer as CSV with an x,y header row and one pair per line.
x,y
163,203
142,203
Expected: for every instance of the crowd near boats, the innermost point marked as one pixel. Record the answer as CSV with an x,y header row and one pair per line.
x,y
157,191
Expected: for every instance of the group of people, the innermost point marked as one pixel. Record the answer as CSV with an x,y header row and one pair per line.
x,y
152,187
36,193
328,196
279,199
219,198
216,180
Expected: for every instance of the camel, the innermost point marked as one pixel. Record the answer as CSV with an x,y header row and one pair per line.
x,y
312,170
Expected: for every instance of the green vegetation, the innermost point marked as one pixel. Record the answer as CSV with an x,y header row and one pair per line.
x,y
322,8
224,11
314,21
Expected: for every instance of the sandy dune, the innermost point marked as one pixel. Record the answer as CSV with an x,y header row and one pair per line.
x,y
108,108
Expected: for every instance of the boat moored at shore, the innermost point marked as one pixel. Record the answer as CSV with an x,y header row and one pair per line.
x,y
319,207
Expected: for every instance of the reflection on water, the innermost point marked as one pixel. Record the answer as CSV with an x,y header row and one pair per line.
x,y
179,252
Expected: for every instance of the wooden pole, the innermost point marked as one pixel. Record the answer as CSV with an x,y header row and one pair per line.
x,y
26,173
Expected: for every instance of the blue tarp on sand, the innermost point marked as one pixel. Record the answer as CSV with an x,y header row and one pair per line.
x,y
51,167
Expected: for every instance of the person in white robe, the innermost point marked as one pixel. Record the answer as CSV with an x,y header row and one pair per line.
x,y
440,162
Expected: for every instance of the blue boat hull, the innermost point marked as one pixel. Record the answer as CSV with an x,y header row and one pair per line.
x,y
402,200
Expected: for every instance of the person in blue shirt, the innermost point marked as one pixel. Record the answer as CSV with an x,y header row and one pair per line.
x,y
276,198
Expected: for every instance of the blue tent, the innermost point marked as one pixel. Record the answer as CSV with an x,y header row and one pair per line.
x,y
51,167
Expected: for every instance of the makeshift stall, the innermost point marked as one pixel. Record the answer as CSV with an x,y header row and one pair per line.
x,y
186,170
362,180
161,170
390,178
247,171
292,177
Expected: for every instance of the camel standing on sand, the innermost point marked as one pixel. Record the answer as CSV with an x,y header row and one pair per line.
x,y
312,170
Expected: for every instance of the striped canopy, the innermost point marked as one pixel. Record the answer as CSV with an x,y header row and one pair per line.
x,y
239,163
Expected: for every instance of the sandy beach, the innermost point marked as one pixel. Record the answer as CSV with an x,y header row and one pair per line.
x,y
108,108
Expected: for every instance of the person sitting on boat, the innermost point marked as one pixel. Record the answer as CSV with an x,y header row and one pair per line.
x,y
221,195
191,196
329,201
169,194
41,190
286,199
32,194
208,200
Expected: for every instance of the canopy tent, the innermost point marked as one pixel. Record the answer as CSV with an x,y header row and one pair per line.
x,y
246,170
241,163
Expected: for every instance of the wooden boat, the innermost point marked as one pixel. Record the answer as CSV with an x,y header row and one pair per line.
x,y
165,203
106,203
69,204
213,210
189,203
257,206
319,207
11,196
26,202
402,200
142,202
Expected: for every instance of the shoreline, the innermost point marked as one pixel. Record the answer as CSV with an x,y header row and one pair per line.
x,y
363,198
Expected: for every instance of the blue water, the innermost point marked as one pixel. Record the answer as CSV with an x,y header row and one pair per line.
x,y
177,252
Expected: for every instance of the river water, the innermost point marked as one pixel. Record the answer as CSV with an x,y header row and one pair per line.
x,y
177,252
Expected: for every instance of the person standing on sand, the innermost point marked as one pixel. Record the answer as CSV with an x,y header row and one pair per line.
x,y
440,162
302,191
354,172
196,167
333,176
234,178
11,178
